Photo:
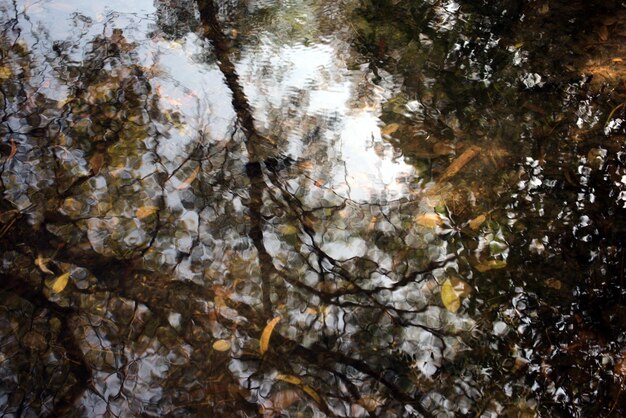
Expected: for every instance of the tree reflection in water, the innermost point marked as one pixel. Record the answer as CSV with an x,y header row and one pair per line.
x,y
191,209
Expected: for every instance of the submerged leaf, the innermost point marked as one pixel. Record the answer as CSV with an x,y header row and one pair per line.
x,y
429,220
189,179
60,283
449,298
312,393
13,151
490,265
266,334
96,162
389,129
145,211
475,223
42,263
294,380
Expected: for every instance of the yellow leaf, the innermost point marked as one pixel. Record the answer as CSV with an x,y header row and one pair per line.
x,y
5,72
429,220
145,211
189,179
449,297
288,229
266,334
294,380
490,265
312,393
60,283
221,345
477,221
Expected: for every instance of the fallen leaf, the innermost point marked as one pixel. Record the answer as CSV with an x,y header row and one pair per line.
x,y
288,229
620,366
283,399
370,403
460,162
266,334
553,283
42,264
96,162
13,150
441,148
5,72
189,179
312,393
475,223
603,33
429,220
451,301
389,129
145,211
60,283
617,60
490,265
294,380
221,345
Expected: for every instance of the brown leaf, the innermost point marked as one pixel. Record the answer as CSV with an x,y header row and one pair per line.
x,y
553,283
283,399
389,129
266,334
603,33
96,162
13,150
429,220
460,162
441,148
189,179
475,223
145,211
620,366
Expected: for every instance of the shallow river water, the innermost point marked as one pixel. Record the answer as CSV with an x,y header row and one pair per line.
x,y
312,208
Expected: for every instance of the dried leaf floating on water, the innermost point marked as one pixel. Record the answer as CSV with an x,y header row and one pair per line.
x,y
60,283
221,345
452,290
266,335
189,179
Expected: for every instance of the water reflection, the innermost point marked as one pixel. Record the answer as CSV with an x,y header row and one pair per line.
x,y
235,212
